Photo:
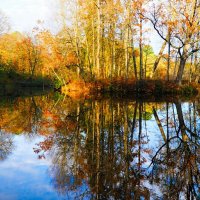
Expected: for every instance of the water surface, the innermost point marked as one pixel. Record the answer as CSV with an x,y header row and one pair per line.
x,y
53,147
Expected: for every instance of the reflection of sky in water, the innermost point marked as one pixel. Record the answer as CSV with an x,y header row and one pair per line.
x,y
23,176
155,139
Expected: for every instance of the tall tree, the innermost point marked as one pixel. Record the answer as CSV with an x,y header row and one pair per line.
x,y
184,20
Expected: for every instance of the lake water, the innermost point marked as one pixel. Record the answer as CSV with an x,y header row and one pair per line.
x,y
53,147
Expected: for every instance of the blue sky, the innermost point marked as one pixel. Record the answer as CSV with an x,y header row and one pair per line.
x,y
24,177
23,14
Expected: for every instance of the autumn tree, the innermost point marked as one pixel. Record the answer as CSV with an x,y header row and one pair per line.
x,y
183,23
30,53
148,57
107,39
9,54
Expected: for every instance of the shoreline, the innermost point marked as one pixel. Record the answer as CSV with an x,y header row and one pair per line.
x,y
157,88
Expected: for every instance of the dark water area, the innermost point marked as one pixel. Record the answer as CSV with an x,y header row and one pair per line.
x,y
53,147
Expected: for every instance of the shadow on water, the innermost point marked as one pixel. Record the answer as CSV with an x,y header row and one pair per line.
x,y
10,90
113,148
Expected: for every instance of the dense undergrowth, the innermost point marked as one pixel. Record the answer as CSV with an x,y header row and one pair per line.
x,y
120,87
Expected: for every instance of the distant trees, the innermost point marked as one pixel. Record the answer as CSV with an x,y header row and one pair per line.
x,y
30,53
19,53
9,58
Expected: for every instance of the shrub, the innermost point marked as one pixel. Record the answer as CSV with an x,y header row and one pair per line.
x,y
188,90
57,84
158,87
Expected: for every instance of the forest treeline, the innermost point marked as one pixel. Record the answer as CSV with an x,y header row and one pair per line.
x,y
109,40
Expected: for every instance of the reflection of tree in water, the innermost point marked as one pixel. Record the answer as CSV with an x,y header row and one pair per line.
x,y
6,145
102,149
109,151
21,115
176,164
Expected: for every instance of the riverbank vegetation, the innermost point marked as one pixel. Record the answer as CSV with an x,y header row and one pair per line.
x,y
106,46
